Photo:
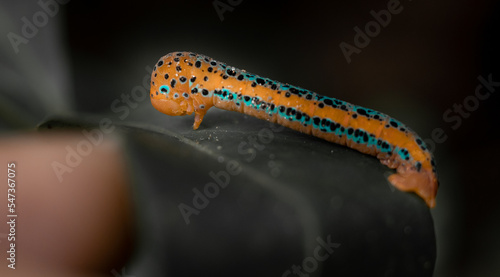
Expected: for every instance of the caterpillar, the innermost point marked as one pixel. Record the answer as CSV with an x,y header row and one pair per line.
x,y
183,83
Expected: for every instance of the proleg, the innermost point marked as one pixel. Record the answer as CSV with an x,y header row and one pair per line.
x,y
183,83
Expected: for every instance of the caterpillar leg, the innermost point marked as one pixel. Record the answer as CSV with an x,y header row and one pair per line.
x,y
198,118
388,160
417,182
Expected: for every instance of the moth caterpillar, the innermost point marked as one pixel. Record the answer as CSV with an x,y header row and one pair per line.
x,y
183,83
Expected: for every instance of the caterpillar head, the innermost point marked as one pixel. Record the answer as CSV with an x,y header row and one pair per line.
x,y
170,85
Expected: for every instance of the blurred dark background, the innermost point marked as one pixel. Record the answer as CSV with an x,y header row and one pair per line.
x,y
427,59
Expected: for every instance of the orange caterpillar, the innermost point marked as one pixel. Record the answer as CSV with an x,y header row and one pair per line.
x,y
184,82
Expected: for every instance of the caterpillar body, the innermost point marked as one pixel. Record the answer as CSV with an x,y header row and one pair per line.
x,y
183,83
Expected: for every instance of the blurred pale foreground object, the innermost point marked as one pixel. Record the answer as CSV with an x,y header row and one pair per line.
x,y
79,225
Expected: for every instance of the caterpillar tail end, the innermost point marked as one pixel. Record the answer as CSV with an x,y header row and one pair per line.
x,y
423,183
